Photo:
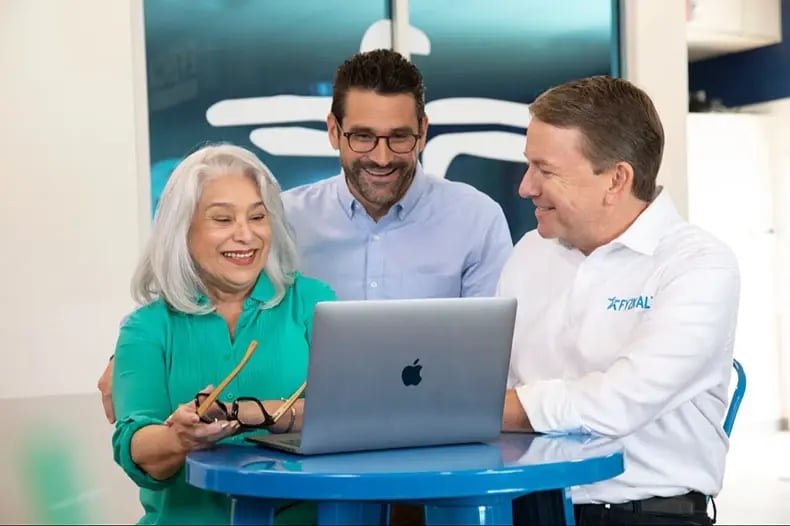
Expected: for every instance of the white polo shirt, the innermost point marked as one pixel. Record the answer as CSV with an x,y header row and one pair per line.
x,y
632,342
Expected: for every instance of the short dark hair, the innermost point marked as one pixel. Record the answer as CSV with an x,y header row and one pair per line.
x,y
618,122
383,71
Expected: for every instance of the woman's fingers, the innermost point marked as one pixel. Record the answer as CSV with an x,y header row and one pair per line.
x,y
195,433
206,435
216,410
215,431
183,415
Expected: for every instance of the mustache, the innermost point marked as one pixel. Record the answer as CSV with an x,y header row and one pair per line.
x,y
375,166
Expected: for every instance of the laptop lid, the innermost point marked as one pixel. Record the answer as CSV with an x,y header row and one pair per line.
x,y
402,373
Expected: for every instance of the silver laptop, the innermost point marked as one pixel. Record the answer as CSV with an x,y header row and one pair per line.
x,y
402,373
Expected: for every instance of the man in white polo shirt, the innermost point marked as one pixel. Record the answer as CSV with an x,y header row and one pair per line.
x,y
626,312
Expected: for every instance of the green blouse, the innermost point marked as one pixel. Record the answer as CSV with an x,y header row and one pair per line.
x,y
164,357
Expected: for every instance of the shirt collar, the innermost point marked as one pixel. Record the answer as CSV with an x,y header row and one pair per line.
x,y
413,194
403,207
646,231
347,201
262,292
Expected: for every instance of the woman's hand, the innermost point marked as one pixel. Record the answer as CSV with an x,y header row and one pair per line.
x,y
192,433
160,450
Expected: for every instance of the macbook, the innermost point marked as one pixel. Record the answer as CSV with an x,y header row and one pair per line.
x,y
403,373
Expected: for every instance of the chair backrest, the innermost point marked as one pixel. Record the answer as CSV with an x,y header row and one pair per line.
x,y
737,396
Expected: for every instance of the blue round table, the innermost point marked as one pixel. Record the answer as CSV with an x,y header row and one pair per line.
x,y
461,484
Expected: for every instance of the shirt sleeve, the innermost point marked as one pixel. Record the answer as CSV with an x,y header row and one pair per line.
x,y
678,351
503,291
140,392
481,273
312,291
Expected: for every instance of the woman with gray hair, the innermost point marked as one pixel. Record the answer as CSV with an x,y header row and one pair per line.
x,y
218,276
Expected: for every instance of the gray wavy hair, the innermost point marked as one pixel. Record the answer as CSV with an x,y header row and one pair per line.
x,y
166,269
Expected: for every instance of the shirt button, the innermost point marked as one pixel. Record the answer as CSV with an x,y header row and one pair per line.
x,y
230,396
376,237
373,284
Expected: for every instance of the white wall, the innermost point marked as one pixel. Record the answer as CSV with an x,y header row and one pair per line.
x,y
73,137
731,182
779,114
73,212
655,58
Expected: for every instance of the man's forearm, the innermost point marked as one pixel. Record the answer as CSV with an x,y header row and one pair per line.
x,y
514,418
156,450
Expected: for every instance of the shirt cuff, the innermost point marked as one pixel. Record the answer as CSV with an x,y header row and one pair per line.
x,y
549,408
122,452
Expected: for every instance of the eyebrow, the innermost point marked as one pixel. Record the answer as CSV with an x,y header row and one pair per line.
x,y
366,129
541,163
221,204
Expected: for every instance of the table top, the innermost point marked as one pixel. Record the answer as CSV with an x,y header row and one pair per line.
x,y
516,463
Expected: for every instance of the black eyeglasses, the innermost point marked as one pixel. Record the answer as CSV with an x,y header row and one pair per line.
x,y
209,408
364,142
254,418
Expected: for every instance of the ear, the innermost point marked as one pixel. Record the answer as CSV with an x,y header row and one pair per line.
x,y
333,128
424,132
621,182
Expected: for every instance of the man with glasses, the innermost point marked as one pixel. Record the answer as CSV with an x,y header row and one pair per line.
x,y
383,229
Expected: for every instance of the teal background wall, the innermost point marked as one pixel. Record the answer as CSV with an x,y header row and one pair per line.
x,y
510,50
201,53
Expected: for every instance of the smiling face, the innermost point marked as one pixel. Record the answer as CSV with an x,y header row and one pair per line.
x,y
230,234
379,178
570,198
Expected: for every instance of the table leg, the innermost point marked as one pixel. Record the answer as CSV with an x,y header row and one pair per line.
x,y
544,508
481,511
247,511
567,504
331,513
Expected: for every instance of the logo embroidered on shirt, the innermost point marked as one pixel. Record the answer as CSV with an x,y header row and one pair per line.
x,y
640,302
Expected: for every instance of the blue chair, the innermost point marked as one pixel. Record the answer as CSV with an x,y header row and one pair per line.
x,y
732,412
737,396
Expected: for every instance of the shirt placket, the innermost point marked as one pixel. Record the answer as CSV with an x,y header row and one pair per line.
x,y
239,347
374,260
578,297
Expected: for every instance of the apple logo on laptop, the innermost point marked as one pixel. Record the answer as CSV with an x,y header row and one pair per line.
x,y
411,374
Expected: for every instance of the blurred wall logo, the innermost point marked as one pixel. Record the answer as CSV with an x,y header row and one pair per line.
x,y
267,84
439,151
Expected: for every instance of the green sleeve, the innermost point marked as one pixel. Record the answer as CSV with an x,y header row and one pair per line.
x,y
312,291
139,384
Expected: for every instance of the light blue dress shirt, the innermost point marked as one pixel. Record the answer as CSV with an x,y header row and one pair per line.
x,y
443,239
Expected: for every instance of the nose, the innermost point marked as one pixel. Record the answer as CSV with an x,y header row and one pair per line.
x,y
242,233
381,154
530,185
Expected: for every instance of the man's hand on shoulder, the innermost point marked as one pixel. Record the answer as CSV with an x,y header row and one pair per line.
x,y
105,388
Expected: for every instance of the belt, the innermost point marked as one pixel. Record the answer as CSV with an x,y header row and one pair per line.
x,y
688,504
